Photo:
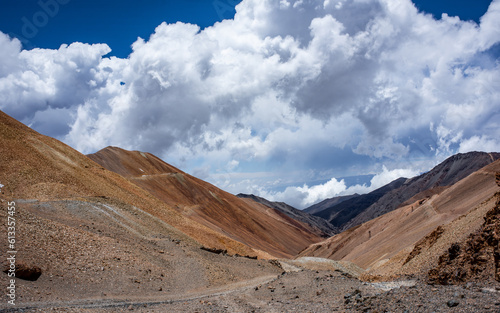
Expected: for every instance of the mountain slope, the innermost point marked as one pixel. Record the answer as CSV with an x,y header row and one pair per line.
x,y
340,214
424,186
317,225
89,233
384,244
477,257
51,170
257,226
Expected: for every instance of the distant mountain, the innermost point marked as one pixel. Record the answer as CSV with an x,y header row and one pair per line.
x,y
452,235
328,203
447,173
255,225
340,214
318,225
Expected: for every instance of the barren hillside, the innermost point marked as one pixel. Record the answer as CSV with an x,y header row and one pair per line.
x,y
256,225
90,240
37,167
383,245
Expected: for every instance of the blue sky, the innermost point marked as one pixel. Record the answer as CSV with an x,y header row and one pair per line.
x,y
119,23
279,98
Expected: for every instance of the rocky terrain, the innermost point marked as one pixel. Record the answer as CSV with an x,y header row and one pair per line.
x,y
410,240
350,211
477,257
310,291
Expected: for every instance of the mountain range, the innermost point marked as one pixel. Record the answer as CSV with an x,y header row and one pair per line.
x,y
121,228
396,242
358,209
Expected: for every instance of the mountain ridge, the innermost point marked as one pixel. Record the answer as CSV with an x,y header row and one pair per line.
x,y
446,173
89,233
319,226
340,214
359,209
327,203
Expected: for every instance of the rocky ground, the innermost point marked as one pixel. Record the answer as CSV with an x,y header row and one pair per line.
x,y
311,291
85,268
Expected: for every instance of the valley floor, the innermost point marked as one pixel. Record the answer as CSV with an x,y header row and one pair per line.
x,y
307,291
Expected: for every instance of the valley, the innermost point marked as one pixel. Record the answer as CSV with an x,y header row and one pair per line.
x,y
119,231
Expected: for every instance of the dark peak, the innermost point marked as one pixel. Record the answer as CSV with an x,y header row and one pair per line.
x,y
244,195
471,155
456,167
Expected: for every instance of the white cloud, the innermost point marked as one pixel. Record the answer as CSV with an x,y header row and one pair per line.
x,y
387,176
305,196
287,86
479,143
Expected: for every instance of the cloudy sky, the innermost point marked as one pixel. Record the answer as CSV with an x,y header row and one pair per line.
x,y
290,99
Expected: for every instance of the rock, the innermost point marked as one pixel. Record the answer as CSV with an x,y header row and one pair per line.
x,y
27,272
452,303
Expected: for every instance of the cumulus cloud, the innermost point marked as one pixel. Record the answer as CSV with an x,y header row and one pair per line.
x,y
287,86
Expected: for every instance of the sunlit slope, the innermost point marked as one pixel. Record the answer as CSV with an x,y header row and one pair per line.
x,y
33,166
256,225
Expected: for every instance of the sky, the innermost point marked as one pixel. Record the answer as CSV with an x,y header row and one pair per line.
x,y
292,100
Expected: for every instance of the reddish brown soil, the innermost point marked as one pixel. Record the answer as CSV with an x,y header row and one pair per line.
x,y
254,224
34,166
90,240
